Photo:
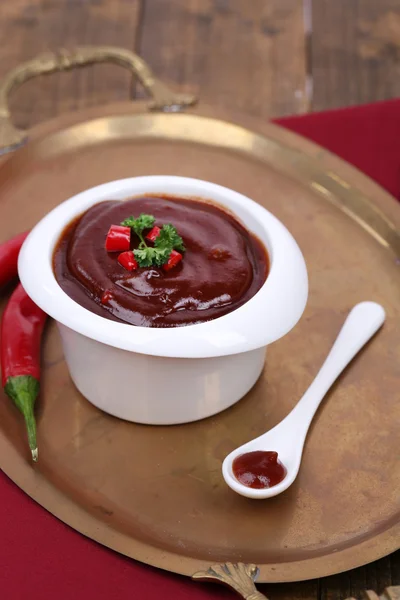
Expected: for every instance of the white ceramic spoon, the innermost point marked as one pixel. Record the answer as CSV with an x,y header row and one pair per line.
x,y
288,437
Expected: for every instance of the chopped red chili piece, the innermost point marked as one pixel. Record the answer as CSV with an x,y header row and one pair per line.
x,y
106,297
118,238
128,261
174,258
153,234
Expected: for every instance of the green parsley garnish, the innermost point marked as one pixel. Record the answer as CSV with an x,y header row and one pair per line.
x,y
140,224
167,240
168,236
152,257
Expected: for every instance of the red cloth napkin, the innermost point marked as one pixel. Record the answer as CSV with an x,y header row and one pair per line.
x,y
366,136
40,557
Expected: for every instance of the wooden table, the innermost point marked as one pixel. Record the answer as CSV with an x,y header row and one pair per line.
x,y
264,57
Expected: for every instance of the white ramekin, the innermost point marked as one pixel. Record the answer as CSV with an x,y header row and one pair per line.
x,y
173,375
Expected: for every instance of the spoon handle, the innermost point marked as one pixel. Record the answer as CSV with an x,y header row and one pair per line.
x,y
362,323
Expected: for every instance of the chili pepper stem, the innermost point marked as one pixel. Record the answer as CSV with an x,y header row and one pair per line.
x,y
23,390
31,429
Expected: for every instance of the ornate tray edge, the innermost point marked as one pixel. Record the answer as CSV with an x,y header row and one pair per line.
x,y
388,540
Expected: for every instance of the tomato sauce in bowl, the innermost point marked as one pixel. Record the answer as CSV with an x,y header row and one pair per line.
x,y
223,266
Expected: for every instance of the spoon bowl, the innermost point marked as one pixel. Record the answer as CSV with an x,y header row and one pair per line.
x,y
288,437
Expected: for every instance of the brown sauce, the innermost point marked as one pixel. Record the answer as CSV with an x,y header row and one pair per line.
x,y
223,267
259,469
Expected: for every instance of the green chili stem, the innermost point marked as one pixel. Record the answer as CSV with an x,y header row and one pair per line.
x,y
23,390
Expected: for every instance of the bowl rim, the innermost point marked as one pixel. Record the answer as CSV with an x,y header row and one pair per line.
x,y
266,317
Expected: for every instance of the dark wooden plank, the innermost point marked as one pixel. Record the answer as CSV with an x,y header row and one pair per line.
x,y
355,51
304,590
30,27
395,568
238,54
375,576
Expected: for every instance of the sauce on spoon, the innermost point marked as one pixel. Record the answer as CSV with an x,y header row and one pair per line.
x,y
259,469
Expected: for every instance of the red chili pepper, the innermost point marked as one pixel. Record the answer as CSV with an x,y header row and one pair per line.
x,y
9,258
128,261
118,238
153,234
106,297
174,258
21,332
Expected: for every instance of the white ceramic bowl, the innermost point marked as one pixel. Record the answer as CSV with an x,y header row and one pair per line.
x,y
172,375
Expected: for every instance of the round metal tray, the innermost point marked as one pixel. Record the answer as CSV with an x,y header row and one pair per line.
x,y
156,494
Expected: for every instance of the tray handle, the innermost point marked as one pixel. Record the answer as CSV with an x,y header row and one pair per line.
x,y
237,576
162,98
240,578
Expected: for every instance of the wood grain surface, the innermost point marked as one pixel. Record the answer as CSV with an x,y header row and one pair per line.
x,y
264,57
355,51
241,55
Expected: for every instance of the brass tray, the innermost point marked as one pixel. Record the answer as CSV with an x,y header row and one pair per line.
x,y
156,494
